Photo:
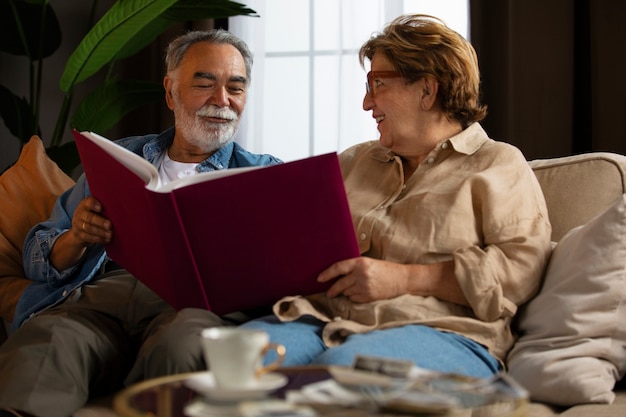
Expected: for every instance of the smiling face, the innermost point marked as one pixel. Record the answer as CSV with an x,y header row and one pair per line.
x,y
396,107
207,93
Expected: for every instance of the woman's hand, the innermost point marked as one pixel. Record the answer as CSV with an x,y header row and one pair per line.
x,y
88,227
364,279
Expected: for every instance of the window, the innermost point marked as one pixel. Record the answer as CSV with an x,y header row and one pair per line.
x,y
307,85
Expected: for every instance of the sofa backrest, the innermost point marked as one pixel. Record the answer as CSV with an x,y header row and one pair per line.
x,y
579,187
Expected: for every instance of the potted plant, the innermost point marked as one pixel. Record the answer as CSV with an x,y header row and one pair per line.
x,y
125,29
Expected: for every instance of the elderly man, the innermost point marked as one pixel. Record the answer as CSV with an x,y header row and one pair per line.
x,y
85,326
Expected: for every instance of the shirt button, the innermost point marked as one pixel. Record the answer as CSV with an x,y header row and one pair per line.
x,y
64,293
445,145
336,318
431,160
363,236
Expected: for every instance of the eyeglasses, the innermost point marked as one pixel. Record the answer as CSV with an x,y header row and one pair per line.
x,y
373,75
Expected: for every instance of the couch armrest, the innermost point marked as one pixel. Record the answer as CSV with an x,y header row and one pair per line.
x,y
579,187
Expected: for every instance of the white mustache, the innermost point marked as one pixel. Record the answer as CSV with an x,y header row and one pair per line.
x,y
217,112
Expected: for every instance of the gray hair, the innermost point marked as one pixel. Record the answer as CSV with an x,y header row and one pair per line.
x,y
178,47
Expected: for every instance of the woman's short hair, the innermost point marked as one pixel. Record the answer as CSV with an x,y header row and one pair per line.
x,y
178,47
423,46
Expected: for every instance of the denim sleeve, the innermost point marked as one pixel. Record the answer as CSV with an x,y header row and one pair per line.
x,y
39,241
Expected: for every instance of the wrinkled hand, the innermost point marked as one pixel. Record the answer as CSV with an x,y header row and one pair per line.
x,y
364,279
88,225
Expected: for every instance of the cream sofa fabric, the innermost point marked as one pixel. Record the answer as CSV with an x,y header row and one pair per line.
x,y
577,189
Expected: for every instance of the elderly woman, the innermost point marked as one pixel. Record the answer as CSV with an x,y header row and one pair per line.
x,y
452,225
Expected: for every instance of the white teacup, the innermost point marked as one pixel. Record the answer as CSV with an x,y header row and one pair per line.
x,y
234,356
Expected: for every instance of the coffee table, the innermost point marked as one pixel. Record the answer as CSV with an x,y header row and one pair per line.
x,y
169,395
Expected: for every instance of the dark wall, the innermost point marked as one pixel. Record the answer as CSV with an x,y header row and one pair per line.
x,y
553,73
14,74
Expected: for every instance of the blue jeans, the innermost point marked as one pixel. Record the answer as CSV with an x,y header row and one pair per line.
x,y
426,347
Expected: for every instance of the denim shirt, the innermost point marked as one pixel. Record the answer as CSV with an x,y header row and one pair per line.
x,y
50,286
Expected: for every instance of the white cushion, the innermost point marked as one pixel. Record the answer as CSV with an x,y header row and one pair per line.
x,y
572,346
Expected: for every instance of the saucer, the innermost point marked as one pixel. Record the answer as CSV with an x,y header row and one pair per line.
x,y
204,383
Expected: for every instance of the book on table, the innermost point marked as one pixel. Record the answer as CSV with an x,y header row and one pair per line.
x,y
226,240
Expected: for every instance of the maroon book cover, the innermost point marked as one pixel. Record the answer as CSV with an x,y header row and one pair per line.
x,y
227,240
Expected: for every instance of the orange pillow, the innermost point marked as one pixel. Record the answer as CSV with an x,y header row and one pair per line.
x,y
28,190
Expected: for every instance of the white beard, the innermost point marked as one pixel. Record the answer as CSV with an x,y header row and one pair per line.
x,y
207,136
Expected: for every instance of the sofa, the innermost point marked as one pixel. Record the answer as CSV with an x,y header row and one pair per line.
x,y
571,350
571,353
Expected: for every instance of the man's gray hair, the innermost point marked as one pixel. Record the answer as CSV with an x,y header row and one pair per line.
x,y
178,47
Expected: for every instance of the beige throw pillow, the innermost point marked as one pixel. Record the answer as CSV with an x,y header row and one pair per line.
x,y
572,347
28,190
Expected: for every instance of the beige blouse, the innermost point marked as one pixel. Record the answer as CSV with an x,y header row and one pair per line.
x,y
472,200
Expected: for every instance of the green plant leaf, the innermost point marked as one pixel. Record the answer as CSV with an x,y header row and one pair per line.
x,y
182,11
105,106
17,114
120,24
130,25
202,9
29,40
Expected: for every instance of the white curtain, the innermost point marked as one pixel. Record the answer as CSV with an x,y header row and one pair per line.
x,y
252,31
307,85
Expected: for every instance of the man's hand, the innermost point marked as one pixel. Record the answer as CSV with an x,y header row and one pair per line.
x,y
88,227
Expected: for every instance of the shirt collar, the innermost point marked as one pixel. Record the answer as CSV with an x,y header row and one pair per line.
x,y
155,149
469,140
220,159
466,142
